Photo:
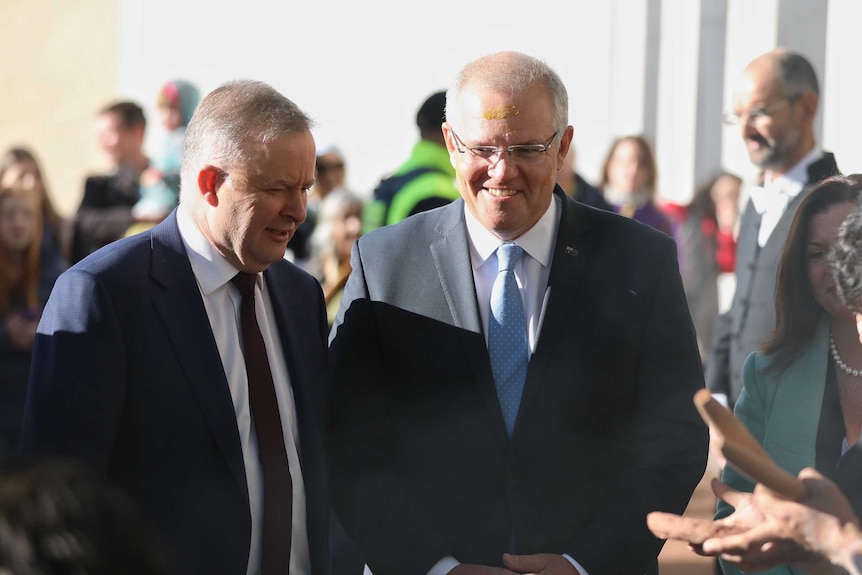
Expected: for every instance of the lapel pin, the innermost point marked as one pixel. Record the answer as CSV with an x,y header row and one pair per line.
x,y
570,251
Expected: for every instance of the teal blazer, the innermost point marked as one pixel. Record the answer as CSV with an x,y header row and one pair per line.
x,y
782,411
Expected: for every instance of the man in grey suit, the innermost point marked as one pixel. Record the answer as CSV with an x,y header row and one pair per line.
x,y
774,106
512,373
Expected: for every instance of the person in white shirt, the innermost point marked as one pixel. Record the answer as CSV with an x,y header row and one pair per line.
x,y
186,363
512,372
774,106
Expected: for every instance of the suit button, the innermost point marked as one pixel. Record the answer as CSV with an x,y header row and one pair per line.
x,y
513,478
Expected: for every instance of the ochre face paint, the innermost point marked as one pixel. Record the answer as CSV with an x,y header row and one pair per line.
x,y
501,113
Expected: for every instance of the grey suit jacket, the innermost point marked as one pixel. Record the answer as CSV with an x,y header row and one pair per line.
x,y
751,317
606,431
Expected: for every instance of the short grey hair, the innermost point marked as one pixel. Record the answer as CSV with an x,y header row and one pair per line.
x,y
336,203
514,72
231,117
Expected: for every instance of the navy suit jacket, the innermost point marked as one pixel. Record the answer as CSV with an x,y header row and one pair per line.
x,y
606,432
127,378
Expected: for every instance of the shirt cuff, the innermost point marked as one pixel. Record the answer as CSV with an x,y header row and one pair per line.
x,y
443,566
576,565
721,398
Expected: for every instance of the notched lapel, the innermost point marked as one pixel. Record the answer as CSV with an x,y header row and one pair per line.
x,y
572,251
451,254
452,258
181,310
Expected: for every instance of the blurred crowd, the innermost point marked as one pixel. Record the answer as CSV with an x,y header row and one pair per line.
x,y
751,259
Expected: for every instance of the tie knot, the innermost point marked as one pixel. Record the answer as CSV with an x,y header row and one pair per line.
x,y
508,256
244,282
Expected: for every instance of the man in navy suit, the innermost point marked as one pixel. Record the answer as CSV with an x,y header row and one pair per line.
x,y
139,362
440,465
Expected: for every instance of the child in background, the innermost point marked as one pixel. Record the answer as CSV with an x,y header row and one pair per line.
x,y
160,184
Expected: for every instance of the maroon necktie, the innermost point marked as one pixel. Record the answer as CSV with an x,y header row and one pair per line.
x,y
277,483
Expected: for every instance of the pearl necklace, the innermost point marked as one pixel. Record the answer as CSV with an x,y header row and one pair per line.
x,y
840,363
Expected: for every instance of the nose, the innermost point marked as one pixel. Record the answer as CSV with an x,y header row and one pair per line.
x,y
294,206
502,165
747,127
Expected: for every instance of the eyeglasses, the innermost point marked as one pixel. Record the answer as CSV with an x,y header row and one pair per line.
x,y
329,167
522,154
758,115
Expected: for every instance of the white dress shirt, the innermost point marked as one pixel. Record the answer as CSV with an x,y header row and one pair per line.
x,y
772,199
222,302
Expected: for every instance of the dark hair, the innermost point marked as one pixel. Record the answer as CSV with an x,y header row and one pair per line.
x,y
432,113
56,518
130,114
795,73
845,259
796,310
702,205
645,152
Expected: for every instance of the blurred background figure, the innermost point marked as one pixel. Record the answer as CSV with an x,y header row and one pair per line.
x,y
629,180
27,274
160,183
105,211
19,168
330,173
707,238
425,180
801,393
339,225
577,187
56,518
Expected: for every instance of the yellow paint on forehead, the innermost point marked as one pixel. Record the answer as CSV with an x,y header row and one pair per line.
x,y
501,113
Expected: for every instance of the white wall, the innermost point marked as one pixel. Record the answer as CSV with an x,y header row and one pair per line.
x,y
361,69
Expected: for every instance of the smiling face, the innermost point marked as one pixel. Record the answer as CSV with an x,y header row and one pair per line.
x,y
255,208
821,235
506,197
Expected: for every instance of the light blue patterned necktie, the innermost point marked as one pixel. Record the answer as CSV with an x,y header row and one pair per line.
x,y
507,334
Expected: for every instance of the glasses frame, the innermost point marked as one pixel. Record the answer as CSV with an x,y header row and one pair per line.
x,y
759,114
487,153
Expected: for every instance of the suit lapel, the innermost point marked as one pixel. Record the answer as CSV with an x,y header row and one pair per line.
x,y
181,310
572,251
800,392
451,254
285,303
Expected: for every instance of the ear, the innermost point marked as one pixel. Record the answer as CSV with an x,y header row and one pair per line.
x,y
450,143
565,143
808,101
210,180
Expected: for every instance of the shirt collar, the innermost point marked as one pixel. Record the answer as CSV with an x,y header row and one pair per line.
x,y
788,184
211,268
538,241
